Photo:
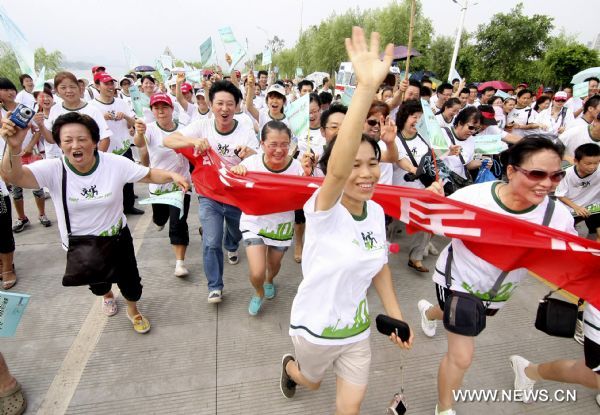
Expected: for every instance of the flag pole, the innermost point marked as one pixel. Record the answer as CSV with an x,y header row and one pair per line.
x,y
411,29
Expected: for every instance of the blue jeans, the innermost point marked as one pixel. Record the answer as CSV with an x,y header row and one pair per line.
x,y
212,216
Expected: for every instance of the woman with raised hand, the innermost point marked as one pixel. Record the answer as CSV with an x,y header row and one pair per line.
x,y
329,321
267,237
89,184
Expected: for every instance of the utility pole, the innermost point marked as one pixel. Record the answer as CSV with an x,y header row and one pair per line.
x,y
458,34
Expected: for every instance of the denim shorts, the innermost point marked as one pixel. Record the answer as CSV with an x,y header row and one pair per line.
x,y
252,239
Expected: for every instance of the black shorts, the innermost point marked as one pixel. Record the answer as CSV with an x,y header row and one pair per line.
x,y
442,293
7,241
592,223
591,350
178,228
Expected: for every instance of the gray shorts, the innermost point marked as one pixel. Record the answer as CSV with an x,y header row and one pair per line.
x,y
17,193
252,241
351,362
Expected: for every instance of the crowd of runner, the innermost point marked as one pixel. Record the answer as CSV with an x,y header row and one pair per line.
x,y
85,147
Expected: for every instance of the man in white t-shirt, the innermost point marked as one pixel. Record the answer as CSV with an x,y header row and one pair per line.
x,y
576,104
591,109
25,96
232,142
523,116
119,119
580,188
576,136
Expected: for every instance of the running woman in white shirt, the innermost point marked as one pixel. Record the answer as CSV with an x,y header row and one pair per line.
x,y
329,321
151,137
268,237
533,172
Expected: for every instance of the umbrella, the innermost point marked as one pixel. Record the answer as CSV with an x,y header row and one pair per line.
x,y
317,77
504,86
144,68
419,75
588,73
401,53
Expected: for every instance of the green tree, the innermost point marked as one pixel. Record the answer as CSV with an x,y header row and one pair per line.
x,y
564,58
509,43
9,67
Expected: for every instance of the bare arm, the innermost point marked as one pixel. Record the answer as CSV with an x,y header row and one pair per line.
x,y
250,97
160,176
370,71
406,165
12,170
180,98
103,144
140,130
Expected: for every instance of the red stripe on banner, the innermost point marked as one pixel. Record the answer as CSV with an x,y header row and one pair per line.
x,y
570,262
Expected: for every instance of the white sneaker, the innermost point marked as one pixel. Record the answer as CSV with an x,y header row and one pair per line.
x,y
522,382
578,337
598,399
233,258
428,326
446,412
181,271
215,296
159,227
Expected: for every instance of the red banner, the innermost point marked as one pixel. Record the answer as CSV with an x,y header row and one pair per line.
x,y
570,262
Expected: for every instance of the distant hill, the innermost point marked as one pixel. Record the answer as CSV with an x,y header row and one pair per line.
x,y
76,64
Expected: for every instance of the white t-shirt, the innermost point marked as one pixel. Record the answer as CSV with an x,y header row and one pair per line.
x,y
340,258
522,116
264,117
583,191
467,150
577,122
276,229
574,104
591,326
195,114
418,147
564,118
3,188
386,170
442,122
244,119
471,273
120,140
57,110
223,144
26,98
164,158
91,93
574,137
94,200
317,142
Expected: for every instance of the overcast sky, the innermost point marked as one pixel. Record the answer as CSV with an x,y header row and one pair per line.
x,y
94,31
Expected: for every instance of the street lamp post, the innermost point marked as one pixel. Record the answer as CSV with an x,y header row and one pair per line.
x,y
458,35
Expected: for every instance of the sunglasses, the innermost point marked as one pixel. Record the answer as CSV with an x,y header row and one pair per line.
x,y
372,123
539,175
473,127
560,100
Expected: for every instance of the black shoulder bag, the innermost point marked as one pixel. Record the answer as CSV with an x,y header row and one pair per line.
x,y
464,313
91,259
422,173
458,182
556,317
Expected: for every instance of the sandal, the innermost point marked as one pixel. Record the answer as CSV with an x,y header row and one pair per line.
x,y
13,402
420,268
109,306
6,283
140,323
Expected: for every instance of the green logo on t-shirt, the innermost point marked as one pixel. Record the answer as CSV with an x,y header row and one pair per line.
x,y
369,240
284,232
89,193
362,321
504,293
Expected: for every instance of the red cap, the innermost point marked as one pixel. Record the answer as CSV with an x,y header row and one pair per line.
x,y
164,98
96,68
103,77
185,88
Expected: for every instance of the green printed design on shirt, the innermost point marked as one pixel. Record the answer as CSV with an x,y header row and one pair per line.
x,y
284,232
172,187
504,292
122,150
114,230
362,321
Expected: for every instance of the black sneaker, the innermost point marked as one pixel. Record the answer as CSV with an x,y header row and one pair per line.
x,y
45,221
286,384
20,225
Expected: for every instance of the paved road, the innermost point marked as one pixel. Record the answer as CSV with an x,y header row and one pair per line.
x,y
206,359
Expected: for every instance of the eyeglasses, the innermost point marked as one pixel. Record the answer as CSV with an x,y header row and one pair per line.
x,y
274,146
372,123
539,175
332,127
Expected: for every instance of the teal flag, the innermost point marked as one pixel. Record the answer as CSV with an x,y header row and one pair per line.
x,y
297,115
170,198
500,93
130,60
237,56
194,75
267,56
430,129
347,96
206,51
139,100
18,43
489,144
581,89
39,81
165,73
227,35
12,307
299,72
